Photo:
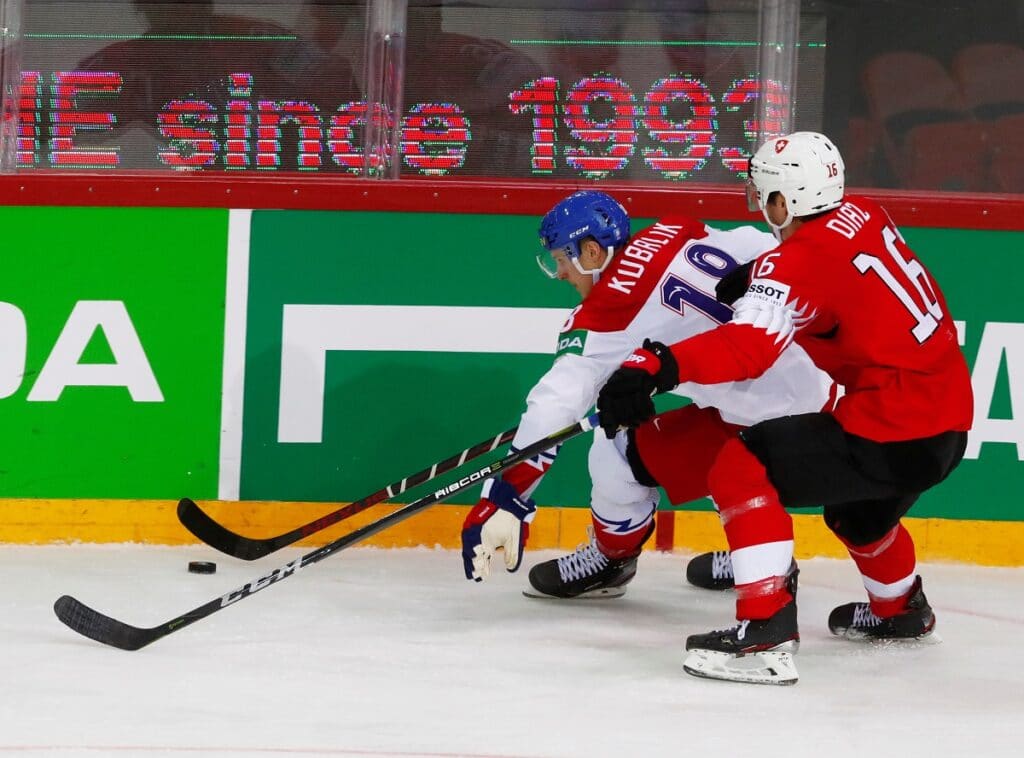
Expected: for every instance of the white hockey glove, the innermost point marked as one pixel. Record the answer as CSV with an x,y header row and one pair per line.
x,y
501,520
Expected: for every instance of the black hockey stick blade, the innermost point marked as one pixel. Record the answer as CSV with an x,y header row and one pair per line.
x,y
203,526
109,631
96,626
219,537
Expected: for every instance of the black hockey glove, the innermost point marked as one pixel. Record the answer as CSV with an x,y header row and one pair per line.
x,y
733,285
626,398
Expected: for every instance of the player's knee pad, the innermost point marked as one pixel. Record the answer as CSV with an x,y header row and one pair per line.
x,y
636,465
616,495
858,527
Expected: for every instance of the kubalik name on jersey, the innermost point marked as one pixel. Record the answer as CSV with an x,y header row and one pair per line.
x,y
629,265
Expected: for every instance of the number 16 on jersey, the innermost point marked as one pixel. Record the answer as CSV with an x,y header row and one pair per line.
x,y
927,311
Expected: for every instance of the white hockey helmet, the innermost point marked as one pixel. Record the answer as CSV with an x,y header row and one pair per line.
x,y
804,167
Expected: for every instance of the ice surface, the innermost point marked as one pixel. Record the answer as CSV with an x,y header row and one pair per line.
x,y
393,653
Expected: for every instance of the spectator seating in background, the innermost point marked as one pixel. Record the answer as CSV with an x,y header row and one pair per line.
x,y
861,151
1006,138
991,78
928,133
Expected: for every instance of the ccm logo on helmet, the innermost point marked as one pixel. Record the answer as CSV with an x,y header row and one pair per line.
x,y
769,290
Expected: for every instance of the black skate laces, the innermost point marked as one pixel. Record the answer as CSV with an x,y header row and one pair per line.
x,y
740,630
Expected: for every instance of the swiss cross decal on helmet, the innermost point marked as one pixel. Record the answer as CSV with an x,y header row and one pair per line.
x,y
805,168
582,215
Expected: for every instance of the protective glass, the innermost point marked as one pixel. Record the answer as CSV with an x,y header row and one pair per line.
x,y
752,202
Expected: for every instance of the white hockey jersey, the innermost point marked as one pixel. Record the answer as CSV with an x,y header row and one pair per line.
x,y
661,286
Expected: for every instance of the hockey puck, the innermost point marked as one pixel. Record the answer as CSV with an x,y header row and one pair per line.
x,y
202,567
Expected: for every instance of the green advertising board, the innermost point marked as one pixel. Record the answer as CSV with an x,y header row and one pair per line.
x,y
364,346
989,483
434,361
111,342
408,336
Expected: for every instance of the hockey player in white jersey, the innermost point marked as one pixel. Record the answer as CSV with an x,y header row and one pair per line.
x,y
660,284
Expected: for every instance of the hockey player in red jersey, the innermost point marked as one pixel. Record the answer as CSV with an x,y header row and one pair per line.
x,y
844,286
659,283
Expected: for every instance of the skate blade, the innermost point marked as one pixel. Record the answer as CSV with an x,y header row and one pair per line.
x,y
770,667
607,593
719,588
925,640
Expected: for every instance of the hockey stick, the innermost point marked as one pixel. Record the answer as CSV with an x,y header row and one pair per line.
x,y
97,626
217,536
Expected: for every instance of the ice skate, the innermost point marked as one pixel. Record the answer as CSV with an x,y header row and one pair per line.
x,y
711,571
856,621
755,651
586,573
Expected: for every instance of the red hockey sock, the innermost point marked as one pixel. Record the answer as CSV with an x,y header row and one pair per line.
x,y
757,527
763,599
888,567
617,544
885,607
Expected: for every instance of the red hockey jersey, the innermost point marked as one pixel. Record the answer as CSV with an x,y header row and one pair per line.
x,y
849,291
661,285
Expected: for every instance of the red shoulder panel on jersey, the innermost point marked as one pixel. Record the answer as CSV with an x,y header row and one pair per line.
x,y
635,271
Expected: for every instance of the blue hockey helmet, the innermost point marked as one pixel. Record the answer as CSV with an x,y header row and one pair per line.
x,y
581,215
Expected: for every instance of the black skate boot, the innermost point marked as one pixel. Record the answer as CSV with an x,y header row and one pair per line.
x,y
711,571
586,573
757,651
855,621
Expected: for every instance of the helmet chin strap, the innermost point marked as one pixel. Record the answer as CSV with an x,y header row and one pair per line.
x,y
595,273
777,230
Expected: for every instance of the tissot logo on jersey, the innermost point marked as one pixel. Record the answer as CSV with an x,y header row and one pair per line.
x,y
769,291
629,266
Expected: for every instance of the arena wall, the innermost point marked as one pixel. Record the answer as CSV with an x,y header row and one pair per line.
x,y
275,346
